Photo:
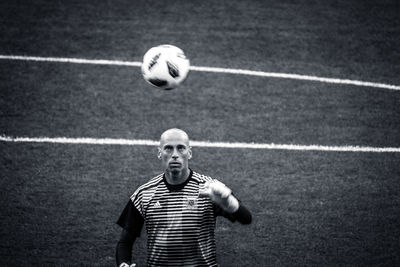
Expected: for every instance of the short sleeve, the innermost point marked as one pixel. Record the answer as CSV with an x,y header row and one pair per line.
x,y
131,219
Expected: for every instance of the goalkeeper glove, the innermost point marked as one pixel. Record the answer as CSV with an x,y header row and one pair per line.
x,y
221,195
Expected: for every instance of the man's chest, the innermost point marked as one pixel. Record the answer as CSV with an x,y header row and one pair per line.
x,y
182,209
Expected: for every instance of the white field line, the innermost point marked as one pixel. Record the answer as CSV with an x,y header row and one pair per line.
x,y
144,142
74,60
208,69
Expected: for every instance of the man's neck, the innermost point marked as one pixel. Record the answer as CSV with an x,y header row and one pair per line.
x,y
177,178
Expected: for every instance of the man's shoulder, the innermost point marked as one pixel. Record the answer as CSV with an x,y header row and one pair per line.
x,y
148,186
201,178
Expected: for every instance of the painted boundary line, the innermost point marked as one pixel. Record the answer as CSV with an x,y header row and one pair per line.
x,y
208,69
145,142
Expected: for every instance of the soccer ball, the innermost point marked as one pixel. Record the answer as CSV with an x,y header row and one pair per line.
x,y
165,66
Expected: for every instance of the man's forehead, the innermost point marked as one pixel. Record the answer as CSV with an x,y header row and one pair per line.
x,y
173,143
174,137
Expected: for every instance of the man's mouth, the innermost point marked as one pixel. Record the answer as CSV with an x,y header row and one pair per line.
x,y
174,164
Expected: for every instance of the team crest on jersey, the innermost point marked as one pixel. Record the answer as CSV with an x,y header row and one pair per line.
x,y
191,203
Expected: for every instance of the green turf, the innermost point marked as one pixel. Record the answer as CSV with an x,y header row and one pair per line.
x,y
60,202
48,99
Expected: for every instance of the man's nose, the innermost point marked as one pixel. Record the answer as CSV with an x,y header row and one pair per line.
x,y
175,154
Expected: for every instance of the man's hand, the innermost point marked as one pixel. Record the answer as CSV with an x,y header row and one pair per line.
x,y
221,195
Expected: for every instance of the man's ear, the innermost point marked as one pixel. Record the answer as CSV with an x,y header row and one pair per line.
x,y
159,153
190,153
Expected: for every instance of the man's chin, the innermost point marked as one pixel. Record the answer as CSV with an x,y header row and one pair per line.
x,y
175,170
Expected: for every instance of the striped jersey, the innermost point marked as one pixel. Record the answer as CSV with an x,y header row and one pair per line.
x,y
180,225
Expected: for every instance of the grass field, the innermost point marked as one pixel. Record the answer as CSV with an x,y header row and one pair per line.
x,y
310,208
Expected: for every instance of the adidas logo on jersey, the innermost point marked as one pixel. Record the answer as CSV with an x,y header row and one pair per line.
x,y
157,204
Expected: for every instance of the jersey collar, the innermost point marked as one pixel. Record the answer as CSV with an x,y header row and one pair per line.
x,y
176,187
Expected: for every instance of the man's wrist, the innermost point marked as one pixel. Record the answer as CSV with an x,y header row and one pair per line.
x,y
232,204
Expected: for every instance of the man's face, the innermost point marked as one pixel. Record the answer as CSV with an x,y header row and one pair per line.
x,y
175,152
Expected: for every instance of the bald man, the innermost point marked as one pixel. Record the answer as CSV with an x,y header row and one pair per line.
x,y
179,208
